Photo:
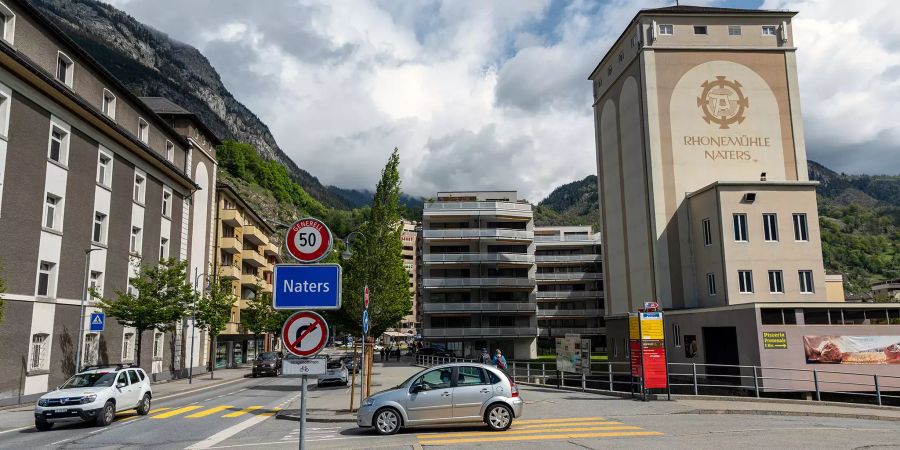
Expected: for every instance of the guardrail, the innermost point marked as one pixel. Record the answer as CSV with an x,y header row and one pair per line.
x,y
477,257
710,379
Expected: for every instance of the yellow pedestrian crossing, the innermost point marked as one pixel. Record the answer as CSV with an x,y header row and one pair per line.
x,y
176,412
541,430
199,412
242,412
208,412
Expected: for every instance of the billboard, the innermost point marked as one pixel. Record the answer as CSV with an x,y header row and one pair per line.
x,y
852,349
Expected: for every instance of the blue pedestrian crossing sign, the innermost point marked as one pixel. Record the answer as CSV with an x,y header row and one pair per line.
x,y
98,319
366,321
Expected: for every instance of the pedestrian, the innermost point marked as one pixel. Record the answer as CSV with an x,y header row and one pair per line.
x,y
381,352
398,353
499,361
485,357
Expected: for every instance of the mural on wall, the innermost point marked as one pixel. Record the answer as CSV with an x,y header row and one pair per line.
x,y
852,349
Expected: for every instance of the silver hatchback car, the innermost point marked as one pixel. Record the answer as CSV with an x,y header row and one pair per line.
x,y
446,394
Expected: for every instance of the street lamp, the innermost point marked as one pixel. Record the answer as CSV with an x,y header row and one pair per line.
x,y
194,323
346,255
87,268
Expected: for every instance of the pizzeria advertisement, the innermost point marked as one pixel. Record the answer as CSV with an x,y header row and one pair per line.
x,y
852,349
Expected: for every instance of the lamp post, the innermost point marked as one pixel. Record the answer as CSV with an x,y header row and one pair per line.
x,y
87,269
194,325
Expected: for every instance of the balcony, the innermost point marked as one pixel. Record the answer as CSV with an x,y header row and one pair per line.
x,y
255,235
568,276
271,250
229,271
479,233
266,286
444,258
231,217
549,295
568,239
230,245
467,208
548,313
477,282
251,257
567,258
561,332
431,307
250,280
479,332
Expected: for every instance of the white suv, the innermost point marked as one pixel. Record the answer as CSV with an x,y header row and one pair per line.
x,y
95,394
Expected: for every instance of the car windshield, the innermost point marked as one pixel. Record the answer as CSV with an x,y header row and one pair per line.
x,y
269,356
93,379
334,365
408,380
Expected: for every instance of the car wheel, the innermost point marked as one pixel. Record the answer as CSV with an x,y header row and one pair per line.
x,y
387,421
252,374
144,406
42,425
106,415
499,417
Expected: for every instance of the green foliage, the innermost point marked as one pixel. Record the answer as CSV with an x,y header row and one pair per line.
x,y
161,297
260,317
861,243
377,261
241,160
214,307
575,203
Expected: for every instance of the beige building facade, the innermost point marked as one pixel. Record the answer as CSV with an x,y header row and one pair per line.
x,y
409,237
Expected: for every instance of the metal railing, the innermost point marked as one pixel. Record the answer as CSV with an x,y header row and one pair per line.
x,y
479,307
501,206
568,294
479,331
569,312
711,379
478,282
567,258
477,257
474,233
569,238
568,276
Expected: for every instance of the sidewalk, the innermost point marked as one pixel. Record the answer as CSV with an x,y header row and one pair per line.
x,y
787,408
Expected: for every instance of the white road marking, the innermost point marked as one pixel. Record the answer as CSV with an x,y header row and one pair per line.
x,y
16,429
281,442
179,394
227,433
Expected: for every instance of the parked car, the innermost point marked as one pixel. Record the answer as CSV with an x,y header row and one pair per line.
x,y
95,394
335,372
449,393
351,365
267,363
434,351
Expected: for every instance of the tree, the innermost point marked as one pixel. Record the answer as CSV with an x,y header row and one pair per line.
x,y
214,310
377,261
260,317
160,296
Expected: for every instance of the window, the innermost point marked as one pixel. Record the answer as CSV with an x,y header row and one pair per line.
x,y
707,233
609,70
770,227
99,235
158,345
5,95
470,376
64,69
806,282
163,249
58,150
143,130
96,282
740,227
135,240
801,233
711,284
109,104
40,352
776,282
122,379
170,151
621,56
436,379
53,212
7,24
734,30
91,349
700,29
666,30
127,348
45,283
745,281
133,377
634,40
139,187
676,334
167,202
769,30
104,169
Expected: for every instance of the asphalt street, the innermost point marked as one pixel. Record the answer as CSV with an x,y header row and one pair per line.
x,y
259,413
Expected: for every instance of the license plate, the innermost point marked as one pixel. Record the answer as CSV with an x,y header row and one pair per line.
x,y
57,411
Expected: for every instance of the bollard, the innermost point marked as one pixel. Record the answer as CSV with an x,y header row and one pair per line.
x,y
816,382
528,372
583,382
694,369
543,373
558,379
755,382
877,390
609,370
514,371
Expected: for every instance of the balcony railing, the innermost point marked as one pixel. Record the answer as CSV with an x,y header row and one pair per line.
x,y
478,257
566,276
568,294
569,312
249,280
431,307
478,282
562,331
594,238
231,217
229,271
255,235
479,233
479,332
230,244
253,258
451,207
567,258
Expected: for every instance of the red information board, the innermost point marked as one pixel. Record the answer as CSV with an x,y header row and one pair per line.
x,y
654,364
635,354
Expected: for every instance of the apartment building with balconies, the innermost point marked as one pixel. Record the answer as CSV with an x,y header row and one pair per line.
x,y
569,279
245,257
478,284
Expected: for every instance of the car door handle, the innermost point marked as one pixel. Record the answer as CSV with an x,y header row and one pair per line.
x,y
445,394
485,391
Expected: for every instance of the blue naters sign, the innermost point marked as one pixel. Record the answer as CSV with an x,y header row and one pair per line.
x,y
306,286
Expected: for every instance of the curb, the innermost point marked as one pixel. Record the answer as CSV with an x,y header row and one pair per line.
x,y
316,419
756,412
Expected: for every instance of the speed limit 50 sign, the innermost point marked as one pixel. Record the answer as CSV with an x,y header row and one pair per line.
x,y
308,240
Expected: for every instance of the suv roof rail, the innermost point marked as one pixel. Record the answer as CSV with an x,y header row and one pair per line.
x,y
110,366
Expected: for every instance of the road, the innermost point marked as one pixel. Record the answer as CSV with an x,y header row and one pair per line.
x,y
257,413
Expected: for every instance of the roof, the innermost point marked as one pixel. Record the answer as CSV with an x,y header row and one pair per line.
x,y
687,10
220,186
166,107
752,184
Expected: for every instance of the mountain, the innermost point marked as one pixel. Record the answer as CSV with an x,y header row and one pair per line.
x,y
859,216
356,198
152,64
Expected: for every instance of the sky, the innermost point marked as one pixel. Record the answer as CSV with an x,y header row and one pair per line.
x,y
494,94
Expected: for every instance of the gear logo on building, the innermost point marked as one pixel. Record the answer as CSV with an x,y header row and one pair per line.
x,y
722,102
